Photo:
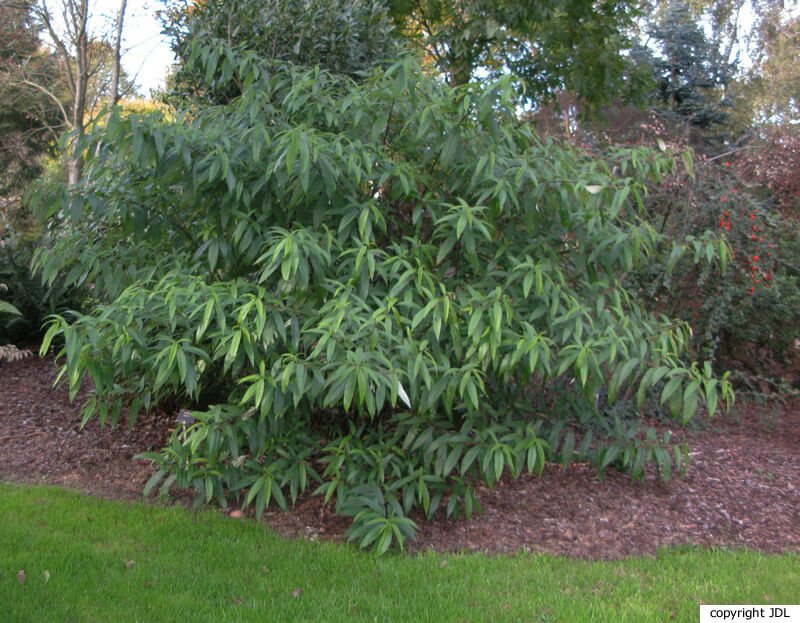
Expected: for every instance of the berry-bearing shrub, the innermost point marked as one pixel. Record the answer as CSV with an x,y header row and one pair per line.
x,y
741,311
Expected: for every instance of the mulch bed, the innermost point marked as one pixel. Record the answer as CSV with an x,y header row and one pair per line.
x,y
742,487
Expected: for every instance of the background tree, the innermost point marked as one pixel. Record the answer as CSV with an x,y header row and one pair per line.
x,y
692,74
577,46
772,83
26,117
116,50
86,61
39,80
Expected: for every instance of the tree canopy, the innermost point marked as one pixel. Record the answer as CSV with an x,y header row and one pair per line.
x,y
772,85
547,47
575,45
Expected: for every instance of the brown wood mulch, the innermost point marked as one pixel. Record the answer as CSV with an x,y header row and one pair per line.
x,y
742,487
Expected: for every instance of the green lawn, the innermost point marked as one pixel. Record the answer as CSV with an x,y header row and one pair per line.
x,y
136,562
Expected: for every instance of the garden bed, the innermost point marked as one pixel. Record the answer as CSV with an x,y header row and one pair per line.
x,y
742,487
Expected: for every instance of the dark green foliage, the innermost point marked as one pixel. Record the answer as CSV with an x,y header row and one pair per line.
x,y
342,36
32,300
6,308
365,286
546,47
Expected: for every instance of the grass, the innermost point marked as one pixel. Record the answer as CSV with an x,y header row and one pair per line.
x,y
135,562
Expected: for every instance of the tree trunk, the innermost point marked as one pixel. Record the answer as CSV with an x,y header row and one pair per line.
x,y
75,163
115,69
74,170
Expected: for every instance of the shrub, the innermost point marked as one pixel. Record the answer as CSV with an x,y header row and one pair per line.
x,y
342,36
388,288
770,162
743,311
9,352
33,301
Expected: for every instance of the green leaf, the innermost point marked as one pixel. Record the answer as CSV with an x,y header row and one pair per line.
x,y
499,463
8,308
255,488
349,391
711,399
527,282
422,314
672,386
474,321
688,162
568,449
452,460
54,329
207,310
610,455
690,397
153,481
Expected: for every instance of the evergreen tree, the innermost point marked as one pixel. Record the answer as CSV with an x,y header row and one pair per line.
x,y
691,74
